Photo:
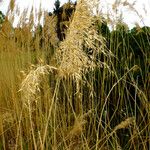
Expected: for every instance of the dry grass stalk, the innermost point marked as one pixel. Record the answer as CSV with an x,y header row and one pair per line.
x,y
70,55
77,127
71,58
31,84
73,138
50,35
80,121
126,123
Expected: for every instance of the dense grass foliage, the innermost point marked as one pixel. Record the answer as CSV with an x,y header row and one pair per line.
x,y
73,83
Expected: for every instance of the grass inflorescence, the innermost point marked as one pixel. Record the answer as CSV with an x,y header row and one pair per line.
x,y
72,83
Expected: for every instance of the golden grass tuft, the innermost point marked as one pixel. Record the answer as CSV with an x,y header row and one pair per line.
x,y
70,55
49,111
31,84
126,123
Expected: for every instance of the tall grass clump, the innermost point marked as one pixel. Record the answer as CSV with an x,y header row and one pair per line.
x,y
81,36
88,90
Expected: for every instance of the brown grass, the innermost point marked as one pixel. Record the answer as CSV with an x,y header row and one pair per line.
x,y
55,95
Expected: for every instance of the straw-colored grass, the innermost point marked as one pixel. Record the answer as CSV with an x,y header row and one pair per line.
x,y
82,93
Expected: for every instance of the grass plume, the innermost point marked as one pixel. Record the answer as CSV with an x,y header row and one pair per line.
x,y
88,91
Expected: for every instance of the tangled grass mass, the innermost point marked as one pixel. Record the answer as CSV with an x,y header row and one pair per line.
x,y
72,83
